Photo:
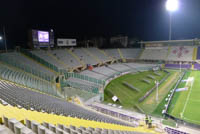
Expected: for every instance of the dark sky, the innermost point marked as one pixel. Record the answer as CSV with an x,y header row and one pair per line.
x,y
143,19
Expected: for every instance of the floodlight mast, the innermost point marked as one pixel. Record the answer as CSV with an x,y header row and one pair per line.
x,y
171,6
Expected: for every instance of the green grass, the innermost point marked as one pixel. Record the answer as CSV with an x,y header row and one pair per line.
x,y
190,100
155,108
128,97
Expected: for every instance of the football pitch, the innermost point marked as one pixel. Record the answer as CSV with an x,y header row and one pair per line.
x,y
186,104
128,97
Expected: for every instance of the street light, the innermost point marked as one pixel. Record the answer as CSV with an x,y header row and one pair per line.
x,y
1,38
171,6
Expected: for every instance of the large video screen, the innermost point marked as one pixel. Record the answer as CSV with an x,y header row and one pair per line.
x,y
43,36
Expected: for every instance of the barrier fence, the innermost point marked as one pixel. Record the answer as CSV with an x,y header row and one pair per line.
x,y
84,77
88,88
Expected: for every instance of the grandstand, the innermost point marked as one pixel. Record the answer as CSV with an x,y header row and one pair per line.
x,y
14,56
65,56
131,53
46,55
113,53
41,82
181,53
154,54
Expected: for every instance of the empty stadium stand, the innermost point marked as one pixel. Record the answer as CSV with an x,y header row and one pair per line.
x,y
181,53
113,53
22,59
131,53
64,56
85,57
154,54
25,79
12,125
97,52
23,97
46,55
28,91
106,72
119,67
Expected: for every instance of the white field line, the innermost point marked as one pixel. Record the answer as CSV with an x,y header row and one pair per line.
x,y
187,99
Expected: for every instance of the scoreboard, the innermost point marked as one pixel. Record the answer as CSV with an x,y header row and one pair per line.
x,y
41,38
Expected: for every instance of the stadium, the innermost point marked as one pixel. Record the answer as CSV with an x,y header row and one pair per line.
x,y
54,86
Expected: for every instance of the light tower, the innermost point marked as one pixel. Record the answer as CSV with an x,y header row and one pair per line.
x,y
171,6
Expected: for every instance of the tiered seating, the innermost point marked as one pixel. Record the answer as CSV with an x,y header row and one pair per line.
x,y
63,55
104,70
181,53
86,58
100,55
21,96
119,67
21,59
27,80
93,74
113,53
104,73
5,130
131,53
44,55
71,126
81,84
139,66
154,54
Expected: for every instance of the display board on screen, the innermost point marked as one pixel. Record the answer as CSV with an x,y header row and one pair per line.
x,y
43,36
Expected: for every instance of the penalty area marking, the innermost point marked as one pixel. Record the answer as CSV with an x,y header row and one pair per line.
x,y
188,96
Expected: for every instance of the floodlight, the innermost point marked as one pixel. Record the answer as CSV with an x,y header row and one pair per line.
x,y
172,5
1,38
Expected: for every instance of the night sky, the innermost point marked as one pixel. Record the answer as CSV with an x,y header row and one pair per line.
x,y
142,19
